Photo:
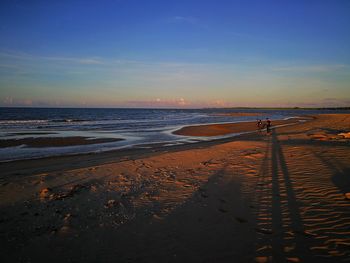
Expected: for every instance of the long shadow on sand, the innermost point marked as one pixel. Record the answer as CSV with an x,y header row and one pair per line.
x,y
279,211
296,223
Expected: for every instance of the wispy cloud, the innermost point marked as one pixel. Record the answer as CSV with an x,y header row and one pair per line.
x,y
183,19
76,60
9,66
312,68
83,61
9,101
159,103
336,102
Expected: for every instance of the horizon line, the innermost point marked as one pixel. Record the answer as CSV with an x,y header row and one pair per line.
x,y
172,108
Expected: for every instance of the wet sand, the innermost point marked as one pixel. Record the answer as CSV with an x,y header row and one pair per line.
x,y
228,128
252,198
39,142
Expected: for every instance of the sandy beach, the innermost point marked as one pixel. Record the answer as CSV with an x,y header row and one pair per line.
x,y
278,197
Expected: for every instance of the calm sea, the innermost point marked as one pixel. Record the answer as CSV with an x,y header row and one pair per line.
x,y
138,127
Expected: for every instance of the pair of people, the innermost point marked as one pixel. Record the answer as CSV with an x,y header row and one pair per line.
x,y
261,126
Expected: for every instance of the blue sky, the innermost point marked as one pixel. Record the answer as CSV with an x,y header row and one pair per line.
x,y
131,53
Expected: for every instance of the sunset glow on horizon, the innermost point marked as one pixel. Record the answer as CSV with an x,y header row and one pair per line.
x,y
178,54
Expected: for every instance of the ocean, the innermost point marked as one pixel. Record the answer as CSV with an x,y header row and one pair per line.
x,y
137,127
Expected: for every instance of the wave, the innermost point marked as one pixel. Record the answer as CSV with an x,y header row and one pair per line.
x,y
11,122
69,120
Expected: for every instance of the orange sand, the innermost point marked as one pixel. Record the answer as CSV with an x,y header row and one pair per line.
x,y
279,197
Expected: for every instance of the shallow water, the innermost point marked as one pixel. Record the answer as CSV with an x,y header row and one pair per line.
x,y
135,126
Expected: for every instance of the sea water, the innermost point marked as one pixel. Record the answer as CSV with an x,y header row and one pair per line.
x,y
137,127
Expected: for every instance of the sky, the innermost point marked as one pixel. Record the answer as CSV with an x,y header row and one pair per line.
x,y
175,54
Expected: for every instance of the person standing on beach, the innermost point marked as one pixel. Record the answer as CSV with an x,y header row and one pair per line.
x,y
259,124
268,125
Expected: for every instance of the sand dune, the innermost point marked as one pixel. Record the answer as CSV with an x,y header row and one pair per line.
x,y
264,198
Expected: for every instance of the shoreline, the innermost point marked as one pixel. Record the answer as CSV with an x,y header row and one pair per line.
x,y
231,129
89,156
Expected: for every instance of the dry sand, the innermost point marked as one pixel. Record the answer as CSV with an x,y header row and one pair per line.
x,y
266,198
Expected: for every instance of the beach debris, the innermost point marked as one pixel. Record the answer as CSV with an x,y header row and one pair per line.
x,y
72,191
67,217
45,193
111,203
93,188
172,175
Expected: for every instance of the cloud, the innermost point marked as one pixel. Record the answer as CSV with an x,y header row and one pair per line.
x,y
312,68
335,102
159,103
75,60
177,103
9,101
84,61
8,66
183,19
